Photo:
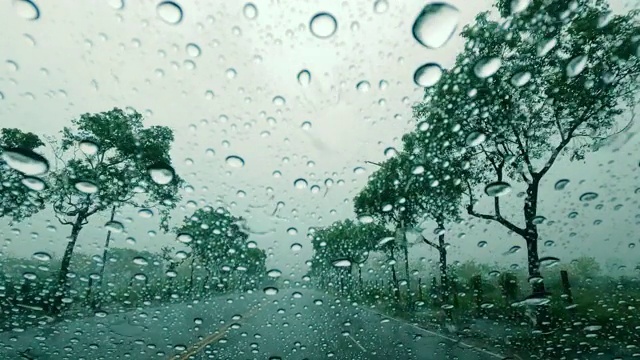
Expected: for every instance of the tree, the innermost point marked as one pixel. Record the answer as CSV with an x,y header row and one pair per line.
x,y
546,82
389,199
20,193
106,161
585,267
407,190
345,243
219,245
439,192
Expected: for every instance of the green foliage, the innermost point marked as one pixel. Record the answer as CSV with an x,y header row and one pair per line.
x,y
346,240
119,168
584,267
16,200
220,246
409,188
560,109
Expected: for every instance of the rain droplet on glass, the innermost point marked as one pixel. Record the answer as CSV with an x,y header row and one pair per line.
x,y
427,75
436,24
323,25
170,12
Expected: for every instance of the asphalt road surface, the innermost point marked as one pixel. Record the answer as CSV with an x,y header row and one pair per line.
x,y
293,324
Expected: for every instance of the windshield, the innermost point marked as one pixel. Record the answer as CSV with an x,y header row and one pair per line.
x,y
321,179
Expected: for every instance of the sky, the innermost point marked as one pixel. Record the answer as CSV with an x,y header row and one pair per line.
x,y
227,84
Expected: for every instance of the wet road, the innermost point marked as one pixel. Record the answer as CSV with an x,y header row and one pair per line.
x,y
294,324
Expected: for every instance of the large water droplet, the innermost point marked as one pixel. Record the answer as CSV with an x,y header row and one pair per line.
x,y
304,77
436,24
250,11
161,174
193,50
116,4
545,46
41,256
270,291
88,147
561,184
296,247
475,138
86,187
576,65
482,244
145,213
514,249
139,260
279,101
235,161
385,240
519,5
292,231
170,12
184,238
26,9
390,152
588,196
342,263
25,161
365,219
363,86
549,261
33,183
487,66
380,6
114,226
323,25
520,79
427,75
497,188
274,273
300,183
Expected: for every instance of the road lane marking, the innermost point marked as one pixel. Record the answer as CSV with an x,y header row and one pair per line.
x,y
357,343
458,341
215,336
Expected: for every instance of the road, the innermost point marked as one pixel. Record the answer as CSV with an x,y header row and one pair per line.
x,y
293,324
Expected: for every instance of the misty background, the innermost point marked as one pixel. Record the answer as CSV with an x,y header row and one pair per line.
x,y
80,57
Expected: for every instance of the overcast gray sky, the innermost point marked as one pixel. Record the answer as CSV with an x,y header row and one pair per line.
x,y
87,56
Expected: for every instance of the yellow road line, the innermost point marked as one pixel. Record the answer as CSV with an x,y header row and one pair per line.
x,y
217,335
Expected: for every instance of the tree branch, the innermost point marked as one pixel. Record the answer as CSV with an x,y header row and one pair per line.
x,y
561,146
496,217
61,221
523,150
430,243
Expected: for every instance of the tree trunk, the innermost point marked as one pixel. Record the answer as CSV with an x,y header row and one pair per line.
x,y
531,238
405,249
62,285
394,276
542,312
444,279
105,252
192,268
360,277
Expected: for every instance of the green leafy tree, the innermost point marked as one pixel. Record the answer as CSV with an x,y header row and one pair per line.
x,y
103,162
219,245
407,190
389,199
17,200
549,81
343,244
